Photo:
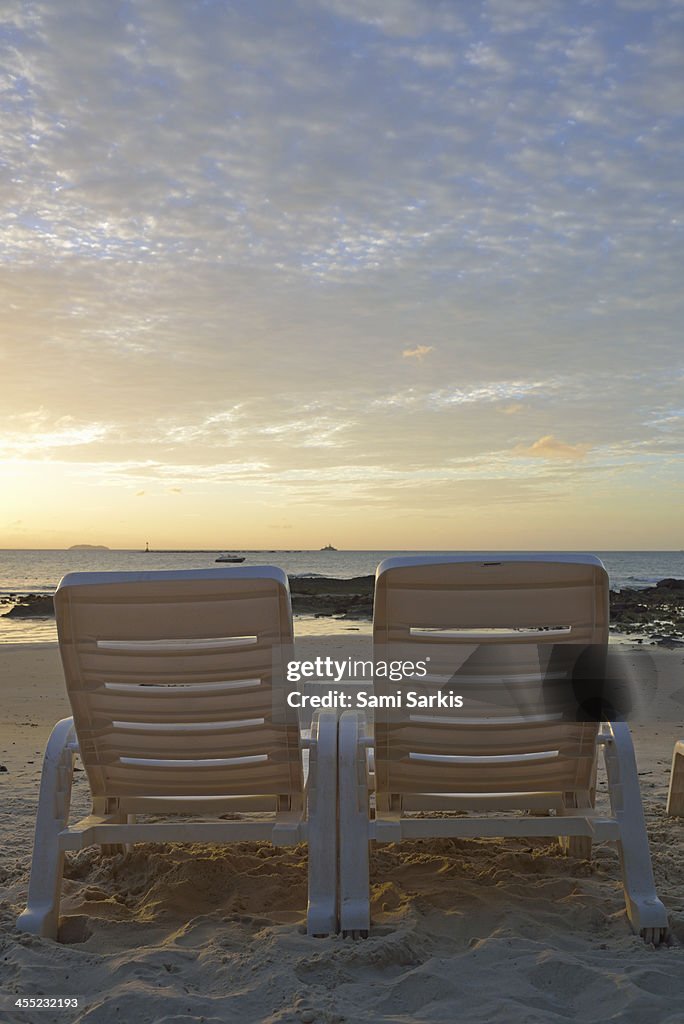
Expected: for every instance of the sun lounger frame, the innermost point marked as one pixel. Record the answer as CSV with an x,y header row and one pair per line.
x,y
165,724
500,593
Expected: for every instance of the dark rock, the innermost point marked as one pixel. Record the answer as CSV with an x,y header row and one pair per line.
x,y
32,606
669,584
660,607
325,595
361,585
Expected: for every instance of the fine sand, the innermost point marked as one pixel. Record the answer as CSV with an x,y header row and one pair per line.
x,y
503,931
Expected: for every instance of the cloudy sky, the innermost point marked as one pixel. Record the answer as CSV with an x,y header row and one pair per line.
x,y
386,273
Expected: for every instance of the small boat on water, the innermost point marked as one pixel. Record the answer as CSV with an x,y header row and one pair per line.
x,y
225,557
328,547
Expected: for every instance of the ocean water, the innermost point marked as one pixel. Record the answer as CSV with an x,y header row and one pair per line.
x,y
39,571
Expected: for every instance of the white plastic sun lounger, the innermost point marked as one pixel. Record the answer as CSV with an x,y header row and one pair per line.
x,y
675,794
489,628
172,678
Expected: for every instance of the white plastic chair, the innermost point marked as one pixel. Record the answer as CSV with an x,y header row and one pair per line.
x,y
509,747
173,679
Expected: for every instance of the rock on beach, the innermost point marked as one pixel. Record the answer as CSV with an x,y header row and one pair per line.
x,y
657,610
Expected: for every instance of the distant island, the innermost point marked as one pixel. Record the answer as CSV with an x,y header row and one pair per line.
x,y
88,547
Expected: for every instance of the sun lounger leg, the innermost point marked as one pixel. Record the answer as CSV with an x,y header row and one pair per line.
x,y
41,916
109,808
576,846
354,876
675,796
645,911
580,846
322,832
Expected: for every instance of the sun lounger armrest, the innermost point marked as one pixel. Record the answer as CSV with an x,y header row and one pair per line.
x,y
54,800
675,795
646,912
322,824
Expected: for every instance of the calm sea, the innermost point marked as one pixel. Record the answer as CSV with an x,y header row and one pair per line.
x,y
38,571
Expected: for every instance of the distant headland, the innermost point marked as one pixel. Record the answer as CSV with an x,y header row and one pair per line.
x,y
88,547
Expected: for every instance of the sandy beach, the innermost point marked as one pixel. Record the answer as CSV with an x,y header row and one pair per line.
x,y
477,930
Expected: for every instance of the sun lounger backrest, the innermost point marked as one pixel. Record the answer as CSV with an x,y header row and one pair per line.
x,y
486,629
469,594
170,677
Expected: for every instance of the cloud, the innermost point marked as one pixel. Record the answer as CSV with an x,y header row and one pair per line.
x,y
400,18
485,57
419,352
41,436
549,447
217,223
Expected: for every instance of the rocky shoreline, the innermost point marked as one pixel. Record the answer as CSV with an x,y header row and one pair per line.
x,y
654,613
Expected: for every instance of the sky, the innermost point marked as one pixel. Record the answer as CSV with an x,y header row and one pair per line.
x,y
380,273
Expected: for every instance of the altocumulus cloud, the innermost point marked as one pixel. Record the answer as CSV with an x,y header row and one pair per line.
x,y
549,447
218,224
419,352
